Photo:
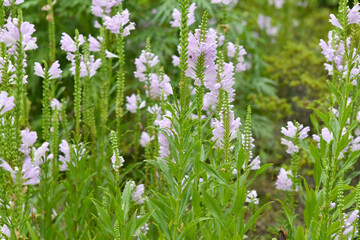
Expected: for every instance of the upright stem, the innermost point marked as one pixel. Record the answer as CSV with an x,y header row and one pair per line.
x,y
120,81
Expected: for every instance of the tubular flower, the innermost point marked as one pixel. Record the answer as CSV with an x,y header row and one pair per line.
x,y
133,103
68,44
208,48
6,103
7,3
87,68
28,139
102,8
177,16
54,71
120,23
218,131
11,35
145,61
30,172
160,84
283,181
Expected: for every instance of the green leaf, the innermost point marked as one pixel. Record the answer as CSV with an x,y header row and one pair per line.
x,y
255,217
213,173
214,208
300,233
105,218
31,231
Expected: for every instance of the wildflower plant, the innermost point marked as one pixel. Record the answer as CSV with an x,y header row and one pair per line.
x,y
119,144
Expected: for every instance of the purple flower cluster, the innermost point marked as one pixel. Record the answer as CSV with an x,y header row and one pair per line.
x,y
226,76
239,52
333,51
6,102
177,16
276,3
31,166
137,194
28,140
12,33
283,181
102,8
160,84
120,23
218,131
144,63
225,2
10,70
264,23
65,158
164,124
196,47
30,172
68,44
88,67
134,103
291,132
353,17
53,72
117,165
7,3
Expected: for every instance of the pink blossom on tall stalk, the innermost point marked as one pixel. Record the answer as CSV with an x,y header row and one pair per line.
x,y
54,71
6,103
143,64
207,47
177,16
68,44
226,83
276,3
264,23
225,2
55,104
251,197
10,70
65,158
137,194
334,52
155,110
353,17
145,139
28,139
160,84
291,130
5,230
7,3
39,154
291,147
219,131
116,166
133,103
65,149
30,170
284,182
87,68
94,44
120,23
349,232
165,125
102,8
10,35
240,52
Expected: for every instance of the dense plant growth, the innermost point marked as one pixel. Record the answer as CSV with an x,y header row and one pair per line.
x,y
134,126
